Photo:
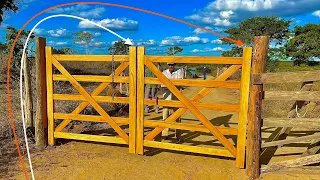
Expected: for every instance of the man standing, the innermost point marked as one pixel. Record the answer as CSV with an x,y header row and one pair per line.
x,y
170,73
204,73
150,88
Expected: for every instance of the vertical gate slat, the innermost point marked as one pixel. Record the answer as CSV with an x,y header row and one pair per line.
x,y
132,98
140,100
50,105
243,114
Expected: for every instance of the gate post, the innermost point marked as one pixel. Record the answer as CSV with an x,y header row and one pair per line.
x,y
132,98
140,99
261,44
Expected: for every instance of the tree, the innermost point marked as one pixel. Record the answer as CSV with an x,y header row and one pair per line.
x,y
174,50
17,51
83,38
63,51
119,48
274,27
276,55
304,46
7,5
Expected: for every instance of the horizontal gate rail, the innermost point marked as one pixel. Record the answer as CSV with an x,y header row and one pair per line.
x,y
87,137
186,148
91,58
71,97
197,83
292,95
301,76
90,118
196,59
190,127
91,78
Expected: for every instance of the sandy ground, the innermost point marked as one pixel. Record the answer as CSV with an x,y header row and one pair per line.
x,y
88,160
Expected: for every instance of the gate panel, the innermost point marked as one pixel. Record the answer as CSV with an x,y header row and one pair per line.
x,y
92,98
193,105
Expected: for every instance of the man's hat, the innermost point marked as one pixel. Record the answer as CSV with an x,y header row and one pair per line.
x,y
171,63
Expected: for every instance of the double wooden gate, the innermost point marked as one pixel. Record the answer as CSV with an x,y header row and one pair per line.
x,y
137,137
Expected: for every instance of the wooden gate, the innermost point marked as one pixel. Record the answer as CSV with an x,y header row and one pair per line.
x,y
193,104
136,138
92,99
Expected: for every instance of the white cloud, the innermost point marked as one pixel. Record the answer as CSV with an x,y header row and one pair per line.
x,y
216,41
61,43
97,34
120,24
53,43
200,31
150,42
216,49
225,13
316,13
183,41
82,10
61,32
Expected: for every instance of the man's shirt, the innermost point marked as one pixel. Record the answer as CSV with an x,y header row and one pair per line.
x,y
176,74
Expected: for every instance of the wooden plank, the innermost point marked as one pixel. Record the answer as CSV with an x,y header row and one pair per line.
x,y
261,45
243,114
41,119
313,148
132,98
91,58
300,76
292,95
50,104
292,122
207,106
290,141
198,83
302,161
231,70
190,127
140,100
92,78
300,170
196,59
96,92
87,137
186,148
192,108
27,94
96,106
89,118
72,97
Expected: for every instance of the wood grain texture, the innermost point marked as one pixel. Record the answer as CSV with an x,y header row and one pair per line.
x,y
196,59
92,78
292,122
260,54
90,118
72,97
186,148
50,105
292,95
243,114
140,100
91,58
132,98
289,141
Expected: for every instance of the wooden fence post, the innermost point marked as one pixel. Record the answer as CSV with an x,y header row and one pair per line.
x,y
41,94
261,44
50,103
28,95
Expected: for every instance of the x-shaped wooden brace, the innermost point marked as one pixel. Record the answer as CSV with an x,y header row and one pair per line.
x,y
90,99
190,106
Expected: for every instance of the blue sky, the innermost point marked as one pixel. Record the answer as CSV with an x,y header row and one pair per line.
x,y
156,33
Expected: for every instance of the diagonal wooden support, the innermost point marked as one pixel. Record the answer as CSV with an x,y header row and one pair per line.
x,y
205,91
192,108
90,99
96,92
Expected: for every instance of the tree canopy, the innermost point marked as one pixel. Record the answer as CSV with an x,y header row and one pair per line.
x,y
174,50
304,46
119,48
83,38
7,5
63,51
274,27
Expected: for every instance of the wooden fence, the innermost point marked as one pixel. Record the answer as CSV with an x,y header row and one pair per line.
x,y
257,94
